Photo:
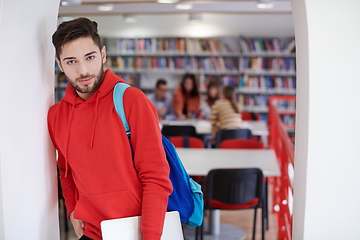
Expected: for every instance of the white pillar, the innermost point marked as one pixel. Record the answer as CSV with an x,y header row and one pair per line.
x,y
327,153
28,190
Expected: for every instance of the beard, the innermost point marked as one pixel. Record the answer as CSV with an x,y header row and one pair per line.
x,y
90,88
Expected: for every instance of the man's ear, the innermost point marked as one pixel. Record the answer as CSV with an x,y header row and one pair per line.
x,y
103,54
59,64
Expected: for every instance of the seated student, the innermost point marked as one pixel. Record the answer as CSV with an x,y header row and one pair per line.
x,y
186,98
162,100
212,95
225,113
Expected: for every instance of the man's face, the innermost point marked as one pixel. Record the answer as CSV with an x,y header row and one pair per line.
x,y
160,91
82,62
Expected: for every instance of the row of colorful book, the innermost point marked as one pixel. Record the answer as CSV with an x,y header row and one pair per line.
x,y
267,45
254,103
217,64
208,46
221,80
268,84
267,64
260,45
151,45
284,105
172,45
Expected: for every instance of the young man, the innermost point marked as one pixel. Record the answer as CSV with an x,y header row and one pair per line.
x,y
99,177
162,100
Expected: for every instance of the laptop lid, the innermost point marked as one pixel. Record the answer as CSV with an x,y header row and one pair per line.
x,y
129,228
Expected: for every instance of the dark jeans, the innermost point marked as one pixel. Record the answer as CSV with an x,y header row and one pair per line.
x,y
85,238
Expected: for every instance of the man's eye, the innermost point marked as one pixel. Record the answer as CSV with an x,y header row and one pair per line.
x,y
70,62
91,57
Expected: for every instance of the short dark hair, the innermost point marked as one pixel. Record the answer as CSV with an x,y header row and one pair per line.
x,y
160,82
72,30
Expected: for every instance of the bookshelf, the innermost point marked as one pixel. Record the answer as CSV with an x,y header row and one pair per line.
x,y
258,67
267,66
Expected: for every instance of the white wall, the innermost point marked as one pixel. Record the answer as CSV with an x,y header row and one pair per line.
x,y
28,192
326,204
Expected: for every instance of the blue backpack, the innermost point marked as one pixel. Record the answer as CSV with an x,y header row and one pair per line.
x,y
187,197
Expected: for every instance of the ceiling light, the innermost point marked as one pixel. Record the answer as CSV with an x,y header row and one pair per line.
x,y
195,17
167,1
184,6
130,19
105,7
264,4
71,2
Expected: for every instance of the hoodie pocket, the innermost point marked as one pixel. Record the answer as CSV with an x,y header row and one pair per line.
x,y
93,208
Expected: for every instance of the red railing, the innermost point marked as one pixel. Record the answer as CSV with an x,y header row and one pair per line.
x,y
280,141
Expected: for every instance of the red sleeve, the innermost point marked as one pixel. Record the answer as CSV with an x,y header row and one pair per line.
x,y
67,183
150,162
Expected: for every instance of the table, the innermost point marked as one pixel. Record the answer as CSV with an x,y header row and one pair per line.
x,y
200,161
258,128
203,127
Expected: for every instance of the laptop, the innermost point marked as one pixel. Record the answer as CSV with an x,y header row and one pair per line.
x,y
129,228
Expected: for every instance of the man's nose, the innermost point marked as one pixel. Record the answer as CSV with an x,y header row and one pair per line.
x,y
82,69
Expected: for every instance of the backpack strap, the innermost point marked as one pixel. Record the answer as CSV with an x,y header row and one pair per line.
x,y
119,90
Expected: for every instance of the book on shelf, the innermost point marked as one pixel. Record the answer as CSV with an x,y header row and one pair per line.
x,y
259,45
290,47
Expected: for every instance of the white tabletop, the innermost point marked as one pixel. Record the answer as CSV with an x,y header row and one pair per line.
x,y
200,161
258,128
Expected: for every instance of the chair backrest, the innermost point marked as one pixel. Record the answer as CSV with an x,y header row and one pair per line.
x,y
242,144
224,134
187,142
250,116
233,188
178,130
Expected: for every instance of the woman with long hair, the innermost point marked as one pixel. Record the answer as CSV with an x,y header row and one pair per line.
x,y
212,95
186,99
225,113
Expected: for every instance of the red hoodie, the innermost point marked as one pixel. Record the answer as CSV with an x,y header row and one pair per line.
x,y
98,176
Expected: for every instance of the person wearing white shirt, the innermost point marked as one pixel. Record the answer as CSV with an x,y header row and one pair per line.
x,y
162,100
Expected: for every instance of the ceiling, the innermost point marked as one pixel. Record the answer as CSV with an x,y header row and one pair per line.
x,y
136,7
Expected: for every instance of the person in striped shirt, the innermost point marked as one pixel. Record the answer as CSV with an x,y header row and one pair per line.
x,y
225,113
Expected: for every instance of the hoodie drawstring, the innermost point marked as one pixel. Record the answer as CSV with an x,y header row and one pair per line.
x,y
95,119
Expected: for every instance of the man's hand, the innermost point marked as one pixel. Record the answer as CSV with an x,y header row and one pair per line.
x,y
78,225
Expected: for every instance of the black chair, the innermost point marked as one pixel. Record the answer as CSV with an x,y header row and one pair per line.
x,y
224,134
234,189
179,130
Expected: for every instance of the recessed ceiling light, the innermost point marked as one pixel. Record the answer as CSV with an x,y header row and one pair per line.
x,y
167,1
264,4
184,6
105,7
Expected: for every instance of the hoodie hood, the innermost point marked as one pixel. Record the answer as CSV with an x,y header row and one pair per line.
x,y
71,97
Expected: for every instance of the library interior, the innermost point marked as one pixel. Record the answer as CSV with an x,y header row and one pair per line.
x,y
268,64
251,49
